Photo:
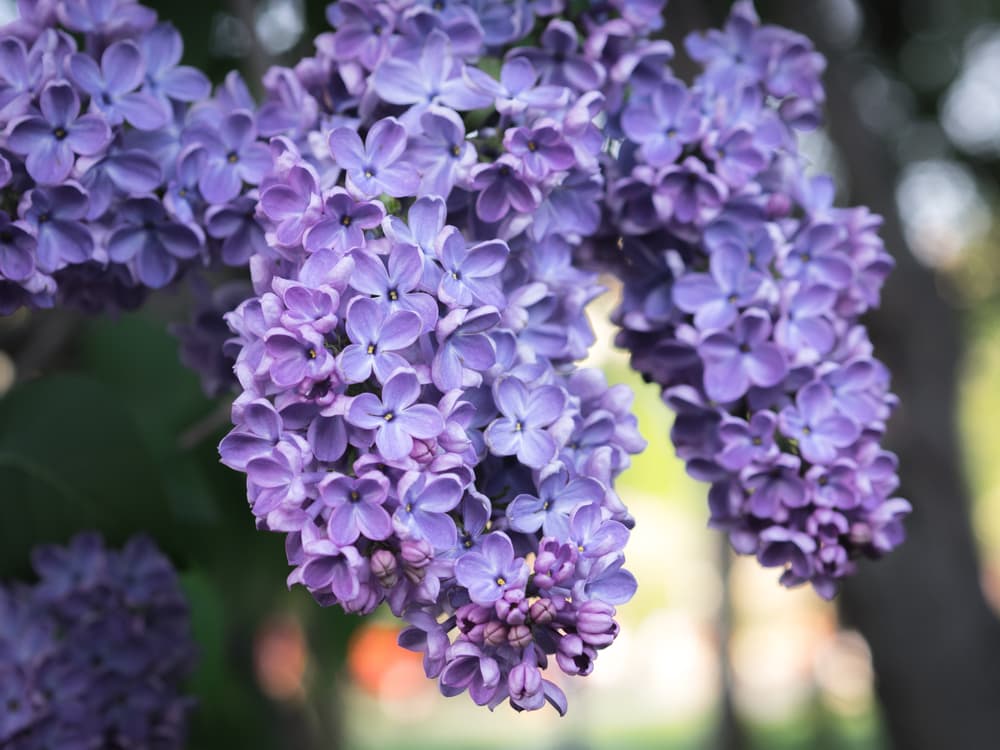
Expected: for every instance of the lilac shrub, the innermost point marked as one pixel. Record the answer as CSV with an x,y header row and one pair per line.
x,y
95,653
742,290
411,416
117,172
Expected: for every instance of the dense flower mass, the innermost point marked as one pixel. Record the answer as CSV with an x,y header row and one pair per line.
x,y
411,415
743,286
94,653
117,172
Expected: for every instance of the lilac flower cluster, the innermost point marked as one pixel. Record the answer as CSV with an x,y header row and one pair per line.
x,y
411,416
94,654
116,170
743,286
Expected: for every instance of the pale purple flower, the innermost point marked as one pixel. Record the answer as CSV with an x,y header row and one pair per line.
x,y
162,48
470,273
396,417
355,505
342,224
441,153
396,286
524,416
424,503
376,335
465,351
492,570
558,496
378,165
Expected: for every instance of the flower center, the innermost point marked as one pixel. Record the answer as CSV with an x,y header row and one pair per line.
x,y
388,416
393,295
371,348
311,353
345,221
518,426
456,150
532,146
60,133
501,581
232,157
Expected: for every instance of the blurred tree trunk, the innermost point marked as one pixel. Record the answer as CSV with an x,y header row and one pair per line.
x,y
935,642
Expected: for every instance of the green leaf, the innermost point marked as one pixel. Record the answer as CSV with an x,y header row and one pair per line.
x,y
72,458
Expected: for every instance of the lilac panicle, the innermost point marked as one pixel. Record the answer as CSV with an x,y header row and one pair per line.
x,y
99,124
410,413
97,651
743,286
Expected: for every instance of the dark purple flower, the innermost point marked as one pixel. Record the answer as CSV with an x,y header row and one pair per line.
x,y
664,123
715,298
783,547
746,443
559,62
146,237
236,225
112,86
396,417
492,570
57,214
542,149
469,669
378,165
817,425
735,361
235,156
17,251
162,48
525,415
52,141
503,186
689,193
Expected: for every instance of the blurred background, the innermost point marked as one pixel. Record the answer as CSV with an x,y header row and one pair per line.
x,y
100,426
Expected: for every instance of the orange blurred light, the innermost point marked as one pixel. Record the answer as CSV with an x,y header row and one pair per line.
x,y
280,658
380,667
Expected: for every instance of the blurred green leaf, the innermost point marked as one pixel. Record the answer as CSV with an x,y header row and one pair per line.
x,y
71,457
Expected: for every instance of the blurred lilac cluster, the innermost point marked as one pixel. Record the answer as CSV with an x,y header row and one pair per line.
x,y
743,286
411,415
94,653
116,170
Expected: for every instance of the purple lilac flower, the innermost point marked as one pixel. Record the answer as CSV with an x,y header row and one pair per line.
x,y
146,237
112,86
431,342
100,646
376,166
52,142
149,134
743,285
